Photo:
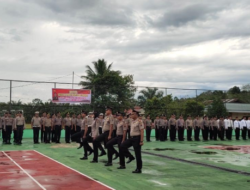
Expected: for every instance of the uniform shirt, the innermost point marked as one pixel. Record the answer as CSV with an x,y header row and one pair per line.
x,y
165,123
221,124
236,124
148,122
189,123
156,122
214,123
90,121
248,124
99,122
180,123
172,121
43,119
78,122
73,121
201,123
121,127
161,123
108,121
84,123
228,123
128,121
1,121
206,123
136,127
58,121
47,122
115,123
36,121
94,128
9,121
67,121
243,123
20,121
196,123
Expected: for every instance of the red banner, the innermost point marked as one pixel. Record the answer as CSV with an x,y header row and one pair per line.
x,y
71,96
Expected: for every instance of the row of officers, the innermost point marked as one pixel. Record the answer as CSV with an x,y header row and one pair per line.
x,y
210,128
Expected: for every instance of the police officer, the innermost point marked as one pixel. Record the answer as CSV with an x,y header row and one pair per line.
x,y
197,129
172,127
20,126
57,124
248,127
53,131
161,127
156,122
189,127
67,124
136,140
229,127
222,128
180,125
15,130
121,134
9,124
106,135
237,128
47,123
90,120
101,123
243,127
44,116
148,124
205,128
165,128
128,123
115,126
214,128
78,129
211,133
36,125
73,126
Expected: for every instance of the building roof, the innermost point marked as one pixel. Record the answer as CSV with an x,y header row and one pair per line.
x,y
237,107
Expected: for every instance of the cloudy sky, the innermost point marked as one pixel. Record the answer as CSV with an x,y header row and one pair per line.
x,y
164,43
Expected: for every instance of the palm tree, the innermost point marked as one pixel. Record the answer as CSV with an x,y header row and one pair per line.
x,y
149,93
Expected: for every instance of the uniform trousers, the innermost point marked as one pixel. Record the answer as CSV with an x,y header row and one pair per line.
x,y
229,133
19,130
172,133
157,133
222,133
8,133
110,146
4,135
72,131
36,134
58,129
215,133
249,133
67,134
47,134
97,143
211,133
237,133
148,133
114,133
53,134
181,133
15,135
161,133
135,142
42,133
197,133
244,133
78,136
189,133
205,131
128,133
100,130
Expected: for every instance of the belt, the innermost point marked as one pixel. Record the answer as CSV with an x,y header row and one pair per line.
x,y
135,136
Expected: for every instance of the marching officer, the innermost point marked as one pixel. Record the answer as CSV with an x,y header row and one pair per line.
x,y
115,126
189,127
20,126
180,124
9,124
101,123
105,136
73,125
78,128
148,124
121,134
136,140
237,128
36,125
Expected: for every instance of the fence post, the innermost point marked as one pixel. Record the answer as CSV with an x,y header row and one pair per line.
x,y
10,94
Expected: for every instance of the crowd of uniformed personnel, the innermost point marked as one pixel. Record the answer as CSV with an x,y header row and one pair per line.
x,y
124,130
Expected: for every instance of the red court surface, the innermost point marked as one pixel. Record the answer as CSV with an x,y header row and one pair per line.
x,y
31,170
242,149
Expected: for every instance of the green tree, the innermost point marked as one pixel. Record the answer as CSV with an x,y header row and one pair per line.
x,y
108,87
217,108
234,90
149,93
194,108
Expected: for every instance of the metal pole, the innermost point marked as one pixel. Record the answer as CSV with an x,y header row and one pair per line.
x,y
10,94
196,101
73,80
54,85
166,92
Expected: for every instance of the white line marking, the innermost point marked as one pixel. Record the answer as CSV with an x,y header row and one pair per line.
x,y
74,170
24,171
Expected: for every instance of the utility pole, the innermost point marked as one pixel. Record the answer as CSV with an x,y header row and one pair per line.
x,y
73,80
10,94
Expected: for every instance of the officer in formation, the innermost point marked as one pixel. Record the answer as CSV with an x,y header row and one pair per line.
x,y
209,128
